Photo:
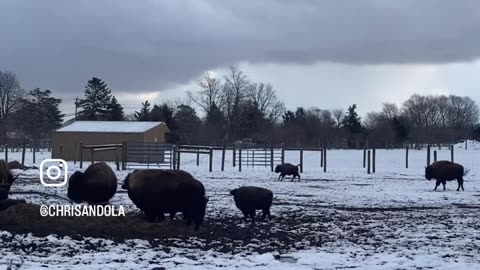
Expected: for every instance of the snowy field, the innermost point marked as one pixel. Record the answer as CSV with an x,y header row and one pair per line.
x,y
342,219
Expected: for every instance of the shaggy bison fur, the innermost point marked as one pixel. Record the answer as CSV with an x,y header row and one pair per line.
x,y
157,191
249,198
6,180
287,169
443,171
96,185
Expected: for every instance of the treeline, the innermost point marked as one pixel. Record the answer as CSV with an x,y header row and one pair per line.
x,y
26,114
233,108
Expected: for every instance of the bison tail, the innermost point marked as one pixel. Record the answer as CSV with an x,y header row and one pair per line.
x,y
466,172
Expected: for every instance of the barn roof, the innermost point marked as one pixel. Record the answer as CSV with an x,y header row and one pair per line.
x,y
109,126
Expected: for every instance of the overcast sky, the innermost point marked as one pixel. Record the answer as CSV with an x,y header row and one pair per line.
x,y
327,54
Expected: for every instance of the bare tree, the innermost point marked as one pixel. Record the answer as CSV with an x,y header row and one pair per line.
x,y
338,116
210,93
462,112
372,120
234,93
390,110
264,98
10,94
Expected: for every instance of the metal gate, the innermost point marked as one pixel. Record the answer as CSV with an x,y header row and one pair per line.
x,y
256,157
149,154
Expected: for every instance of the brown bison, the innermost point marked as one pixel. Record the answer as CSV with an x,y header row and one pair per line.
x,y
96,185
249,198
6,180
156,192
287,169
444,171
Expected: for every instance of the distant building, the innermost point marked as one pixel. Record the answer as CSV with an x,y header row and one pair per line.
x,y
103,132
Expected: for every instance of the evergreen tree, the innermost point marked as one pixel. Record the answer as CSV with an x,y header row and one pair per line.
x,y
164,113
97,100
352,121
188,124
215,124
144,113
39,114
115,111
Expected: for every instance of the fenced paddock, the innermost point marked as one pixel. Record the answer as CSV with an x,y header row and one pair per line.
x,y
156,155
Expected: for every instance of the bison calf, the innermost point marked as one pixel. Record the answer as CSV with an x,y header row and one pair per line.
x,y
443,171
249,198
287,169
96,185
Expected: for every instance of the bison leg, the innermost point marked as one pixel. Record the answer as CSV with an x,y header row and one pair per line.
x,y
460,184
245,215
172,215
149,216
161,216
437,184
279,177
293,178
252,215
298,175
266,212
444,182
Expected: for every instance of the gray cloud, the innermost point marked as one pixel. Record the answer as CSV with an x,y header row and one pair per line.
x,y
151,45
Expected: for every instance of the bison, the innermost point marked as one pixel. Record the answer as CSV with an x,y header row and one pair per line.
x,y
156,192
287,169
250,198
6,180
96,185
444,171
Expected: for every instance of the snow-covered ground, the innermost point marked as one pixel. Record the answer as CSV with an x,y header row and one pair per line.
x,y
342,219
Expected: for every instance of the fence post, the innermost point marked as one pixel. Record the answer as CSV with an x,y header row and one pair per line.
x,y
240,159
61,151
283,155
198,157
452,155
81,155
234,157
325,159
210,162
406,157
364,156
75,154
117,162
223,158
428,155
301,160
33,153
91,155
374,160
179,155
124,155
174,157
6,153
435,156
271,158
321,156
23,152
369,162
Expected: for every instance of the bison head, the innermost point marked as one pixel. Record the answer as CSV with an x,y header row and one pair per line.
x,y
428,172
233,191
75,186
278,168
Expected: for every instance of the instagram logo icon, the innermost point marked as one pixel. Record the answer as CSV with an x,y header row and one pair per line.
x,y
53,169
